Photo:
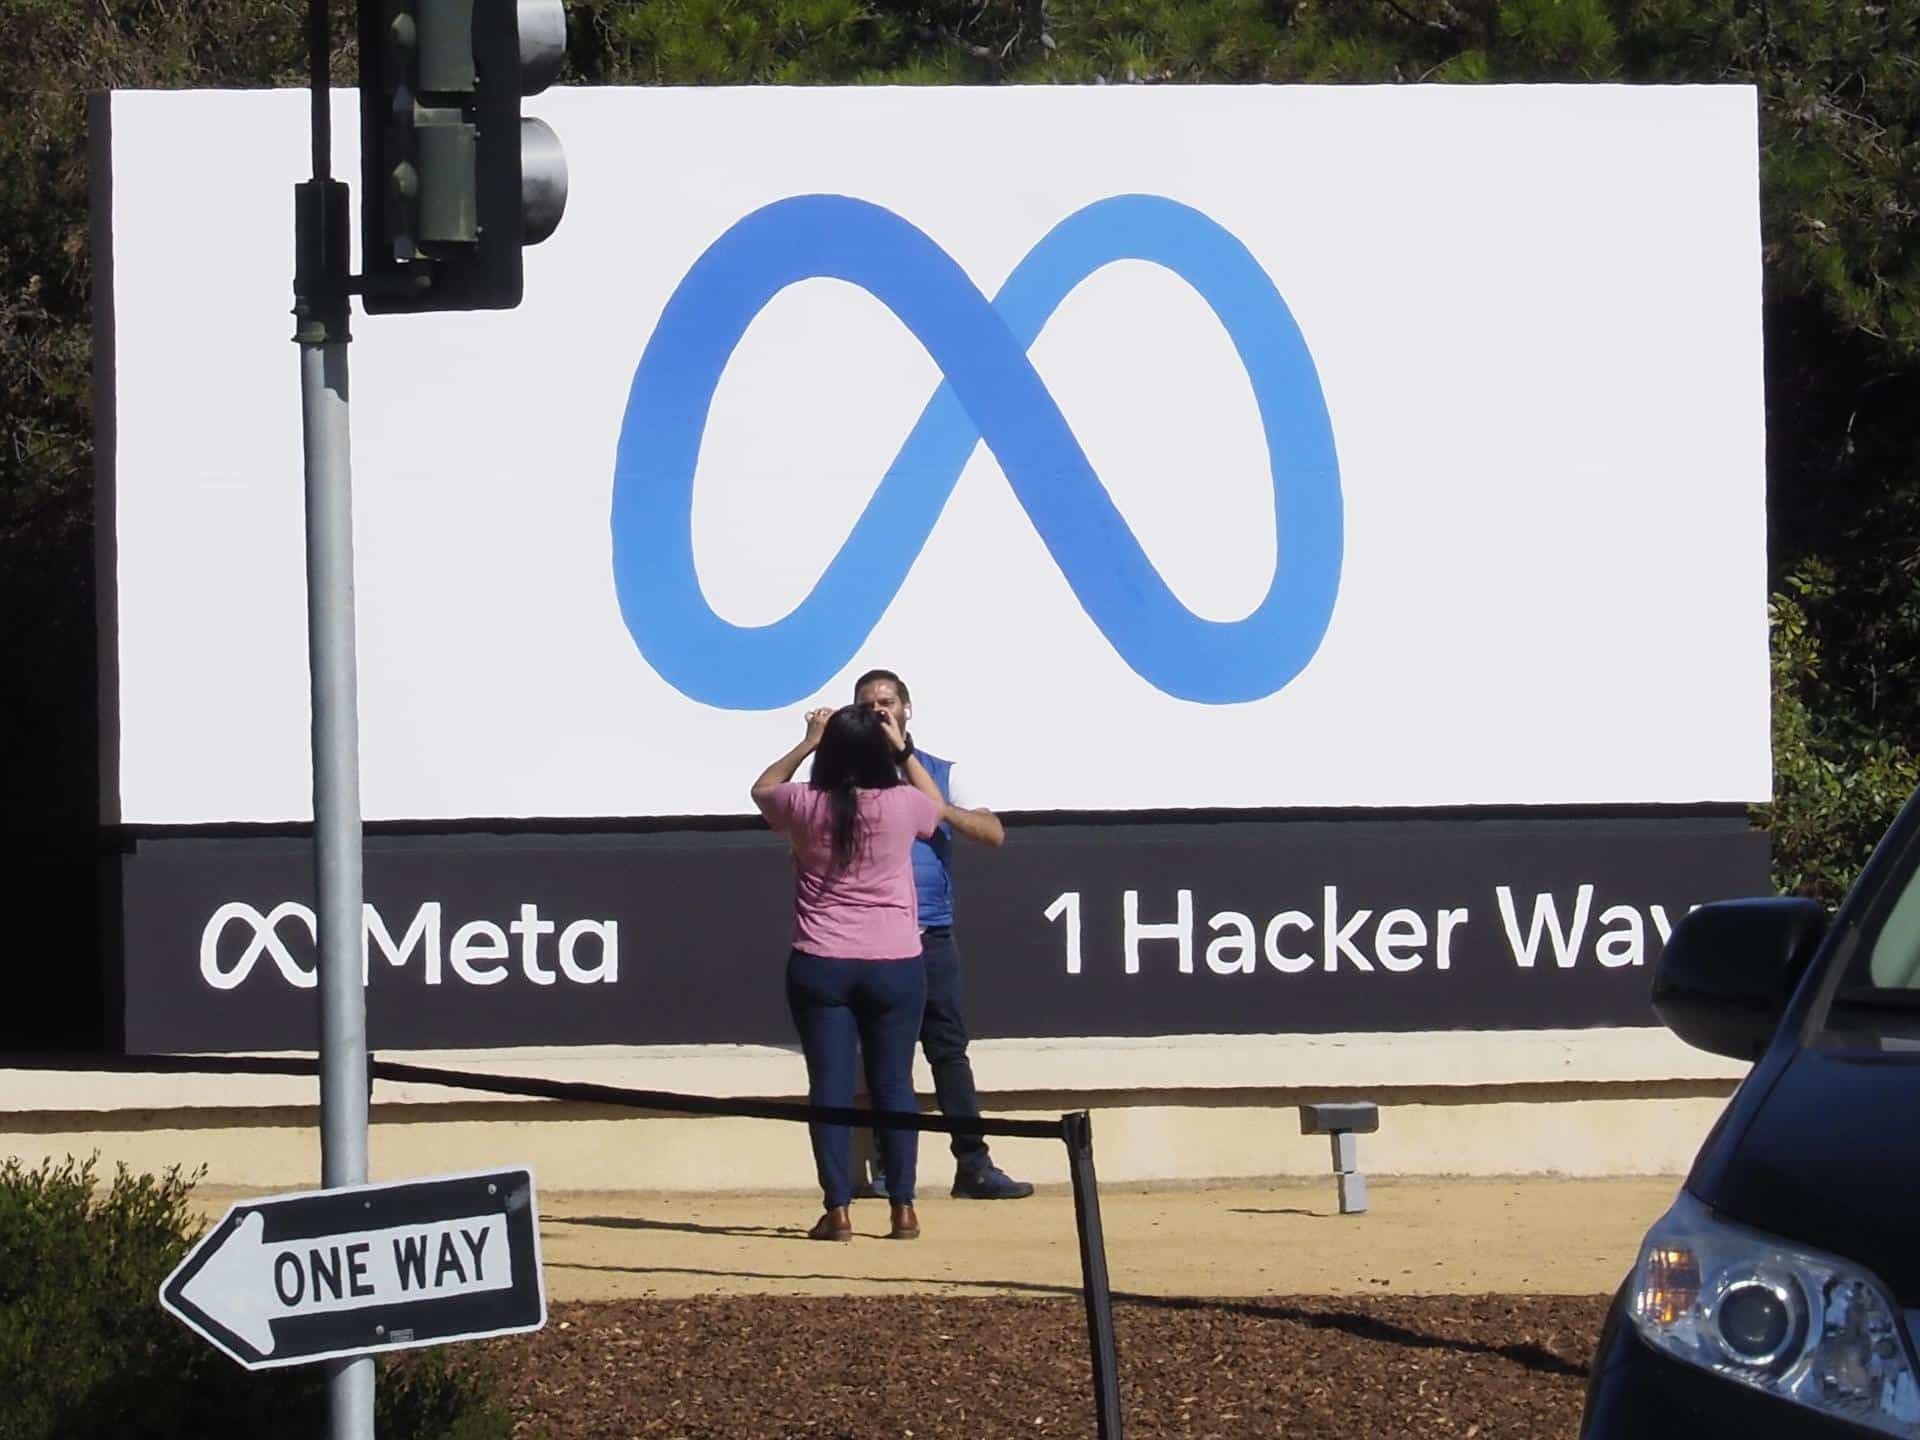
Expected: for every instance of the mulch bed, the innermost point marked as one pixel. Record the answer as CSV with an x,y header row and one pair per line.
x,y
917,1369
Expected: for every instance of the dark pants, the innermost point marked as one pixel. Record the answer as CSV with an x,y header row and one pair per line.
x,y
943,1034
845,1009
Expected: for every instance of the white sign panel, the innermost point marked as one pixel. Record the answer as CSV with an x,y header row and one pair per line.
x,y
292,1279
1230,447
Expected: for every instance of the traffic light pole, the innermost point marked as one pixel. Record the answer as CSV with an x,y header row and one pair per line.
x,y
321,308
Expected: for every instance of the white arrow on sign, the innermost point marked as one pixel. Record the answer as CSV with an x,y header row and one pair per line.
x,y
247,1283
229,1286
429,1279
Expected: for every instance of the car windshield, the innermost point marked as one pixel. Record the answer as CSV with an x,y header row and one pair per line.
x,y
1880,991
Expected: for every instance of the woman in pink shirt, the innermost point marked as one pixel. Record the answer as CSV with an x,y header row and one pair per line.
x,y
856,982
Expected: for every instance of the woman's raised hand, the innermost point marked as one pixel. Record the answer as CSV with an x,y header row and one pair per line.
x,y
817,726
890,724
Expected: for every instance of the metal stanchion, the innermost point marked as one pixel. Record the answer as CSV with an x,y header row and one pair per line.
x,y
1077,1130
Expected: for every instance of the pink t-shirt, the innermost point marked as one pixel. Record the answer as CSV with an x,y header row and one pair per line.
x,y
867,910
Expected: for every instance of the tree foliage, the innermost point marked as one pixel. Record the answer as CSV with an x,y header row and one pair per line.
x,y
1839,88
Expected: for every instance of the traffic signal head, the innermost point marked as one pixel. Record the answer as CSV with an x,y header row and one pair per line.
x,y
454,182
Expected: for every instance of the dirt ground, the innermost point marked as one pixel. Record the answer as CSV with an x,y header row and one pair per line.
x,y
1418,1237
1315,1368
1463,1308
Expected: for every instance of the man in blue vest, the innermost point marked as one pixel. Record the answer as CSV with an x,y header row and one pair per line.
x,y
943,1033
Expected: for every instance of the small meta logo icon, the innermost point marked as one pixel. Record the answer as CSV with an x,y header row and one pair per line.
x,y
991,393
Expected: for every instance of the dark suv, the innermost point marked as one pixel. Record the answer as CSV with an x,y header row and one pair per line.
x,y
1781,1293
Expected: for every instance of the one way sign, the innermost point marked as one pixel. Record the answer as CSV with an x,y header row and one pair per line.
x,y
298,1278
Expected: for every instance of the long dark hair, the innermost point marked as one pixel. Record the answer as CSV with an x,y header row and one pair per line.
x,y
854,753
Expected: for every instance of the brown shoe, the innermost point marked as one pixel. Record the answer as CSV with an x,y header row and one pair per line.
x,y
835,1224
906,1224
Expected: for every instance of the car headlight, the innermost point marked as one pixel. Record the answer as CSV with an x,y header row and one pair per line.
x,y
1803,1326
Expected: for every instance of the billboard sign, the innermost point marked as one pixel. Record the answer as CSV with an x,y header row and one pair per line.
x,y
1403,445
1333,519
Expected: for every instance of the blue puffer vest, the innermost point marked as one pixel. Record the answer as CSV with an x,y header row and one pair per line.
x,y
932,881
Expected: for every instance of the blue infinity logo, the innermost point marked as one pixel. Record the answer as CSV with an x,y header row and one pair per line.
x,y
990,392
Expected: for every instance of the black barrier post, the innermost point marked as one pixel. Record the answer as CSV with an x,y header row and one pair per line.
x,y
1077,1130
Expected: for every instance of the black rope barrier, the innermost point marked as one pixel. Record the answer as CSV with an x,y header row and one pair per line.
x,y
295,1065
1074,1130
671,1102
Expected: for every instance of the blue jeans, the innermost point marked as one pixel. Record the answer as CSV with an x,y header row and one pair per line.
x,y
943,1035
845,1009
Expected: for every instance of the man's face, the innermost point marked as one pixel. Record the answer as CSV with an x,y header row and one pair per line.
x,y
884,695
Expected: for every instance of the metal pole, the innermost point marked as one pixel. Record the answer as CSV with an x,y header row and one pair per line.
x,y
336,822
1077,1129
321,307
336,780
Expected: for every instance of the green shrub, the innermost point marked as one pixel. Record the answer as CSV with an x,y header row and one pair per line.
x,y
86,1351
428,1395
1836,784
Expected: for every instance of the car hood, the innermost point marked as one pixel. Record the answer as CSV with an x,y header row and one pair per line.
x,y
1830,1159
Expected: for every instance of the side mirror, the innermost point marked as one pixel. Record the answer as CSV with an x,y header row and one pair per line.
x,y
1726,975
